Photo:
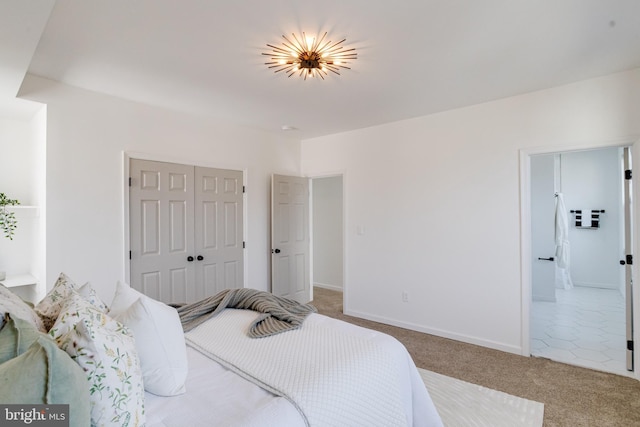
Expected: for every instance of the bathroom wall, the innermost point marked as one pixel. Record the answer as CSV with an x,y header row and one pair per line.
x,y
592,179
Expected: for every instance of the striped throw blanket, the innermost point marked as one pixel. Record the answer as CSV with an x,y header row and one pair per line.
x,y
278,314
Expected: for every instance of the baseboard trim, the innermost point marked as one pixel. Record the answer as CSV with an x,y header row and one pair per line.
x,y
327,286
607,286
438,332
542,298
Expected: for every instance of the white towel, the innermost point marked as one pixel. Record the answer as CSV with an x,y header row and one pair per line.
x,y
562,276
583,220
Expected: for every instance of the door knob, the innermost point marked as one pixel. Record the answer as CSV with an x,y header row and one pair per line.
x,y
200,258
546,259
189,258
276,251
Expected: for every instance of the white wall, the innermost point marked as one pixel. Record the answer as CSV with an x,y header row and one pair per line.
x,y
39,191
327,232
592,179
17,148
438,199
87,134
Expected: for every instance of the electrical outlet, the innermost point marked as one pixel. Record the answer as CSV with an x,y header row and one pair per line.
x,y
405,296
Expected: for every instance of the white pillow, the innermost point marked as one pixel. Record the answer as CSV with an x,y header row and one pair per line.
x,y
91,295
159,340
49,308
125,296
105,350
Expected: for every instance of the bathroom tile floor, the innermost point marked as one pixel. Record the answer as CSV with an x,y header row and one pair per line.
x,y
584,327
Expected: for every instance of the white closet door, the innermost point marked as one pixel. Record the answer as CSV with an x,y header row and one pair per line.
x,y
218,231
186,231
161,224
290,238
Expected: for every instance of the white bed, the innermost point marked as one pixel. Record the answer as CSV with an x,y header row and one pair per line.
x,y
132,365
217,396
220,395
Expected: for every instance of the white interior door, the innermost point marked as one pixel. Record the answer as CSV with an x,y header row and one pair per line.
x,y
219,248
290,238
186,232
628,245
161,224
542,228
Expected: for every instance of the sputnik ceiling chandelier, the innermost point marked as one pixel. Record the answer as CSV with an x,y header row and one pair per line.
x,y
309,56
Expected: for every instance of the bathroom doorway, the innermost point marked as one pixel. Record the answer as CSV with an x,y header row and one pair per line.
x,y
579,314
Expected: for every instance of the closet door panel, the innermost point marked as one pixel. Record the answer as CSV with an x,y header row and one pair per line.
x,y
161,227
218,230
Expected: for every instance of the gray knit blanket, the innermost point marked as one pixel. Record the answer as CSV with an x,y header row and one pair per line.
x,y
278,314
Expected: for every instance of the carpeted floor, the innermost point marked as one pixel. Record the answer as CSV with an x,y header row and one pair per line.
x,y
572,396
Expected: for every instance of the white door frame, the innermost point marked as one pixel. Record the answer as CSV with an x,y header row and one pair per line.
x,y
127,156
525,230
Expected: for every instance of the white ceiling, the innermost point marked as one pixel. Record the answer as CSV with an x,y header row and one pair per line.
x,y
414,57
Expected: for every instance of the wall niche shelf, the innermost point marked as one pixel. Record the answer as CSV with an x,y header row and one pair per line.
x,y
12,281
20,248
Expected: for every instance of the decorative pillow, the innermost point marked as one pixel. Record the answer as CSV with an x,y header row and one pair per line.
x,y
160,343
105,349
44,374
13,304
50,306
91,295
16,337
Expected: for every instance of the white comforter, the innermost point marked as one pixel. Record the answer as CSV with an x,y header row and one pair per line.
x,y
332,372
217,396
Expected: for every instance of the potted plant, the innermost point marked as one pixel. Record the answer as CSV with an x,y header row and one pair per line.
x,y
8,222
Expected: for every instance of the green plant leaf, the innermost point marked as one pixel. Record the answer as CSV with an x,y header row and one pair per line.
x,y
8,221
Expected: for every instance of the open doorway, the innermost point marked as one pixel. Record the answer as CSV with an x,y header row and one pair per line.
x,y
328,233
579,312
